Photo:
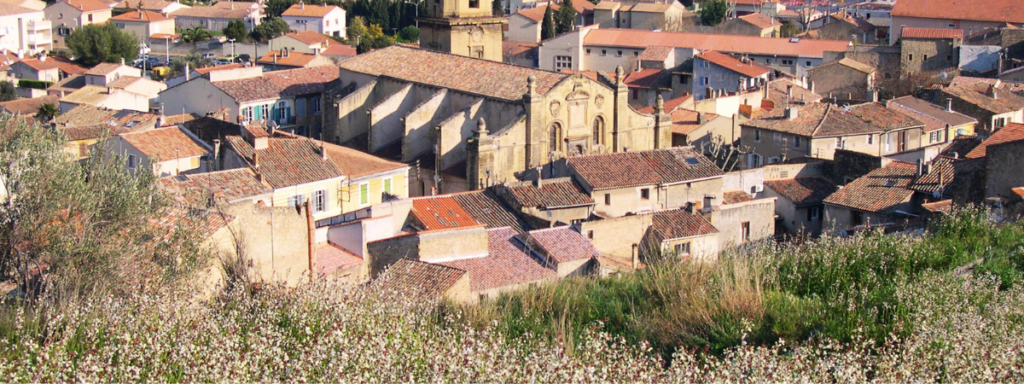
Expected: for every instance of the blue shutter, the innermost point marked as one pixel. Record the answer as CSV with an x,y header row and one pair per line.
x,y
257,112
300,106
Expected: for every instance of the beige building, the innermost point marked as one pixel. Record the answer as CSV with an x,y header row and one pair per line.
x,y
68,15
168,151
989,104
84,126
418,105
217,16
678,233
145,24
287,59
799,203
942,125
929,49
525,25
24,30
638,15
162,7
302,42
955,14
754,24
322,19
881,197
464,28
846,80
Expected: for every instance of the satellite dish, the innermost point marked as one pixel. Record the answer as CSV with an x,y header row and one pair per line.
x,y
944,75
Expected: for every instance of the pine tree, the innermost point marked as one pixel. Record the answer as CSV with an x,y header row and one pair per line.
x,y
566,19
547,27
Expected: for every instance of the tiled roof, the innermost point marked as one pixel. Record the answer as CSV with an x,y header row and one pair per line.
x,y
880,191
303,81
67,66
486,207
419,278
777,93
228,186
562,244
685,121
203,71
165,143
992,10
862,24
1006,134
203,223
635,38
338,49
294,59
760,20
960,146
553,193
677,224
309,10
814,120
309,37
651,78
476,76
40,65
506,264
945,206
735,197
977,81
250,89
537,13
849,63
730,63
440,213
669,105
11,9
629,169
214,12
87,5
1005,101
650,7
656,53
86,122
331,258
123,82
143,16
803,190
933,116
28,107
929,182
102,69
152,5
931,33
884,118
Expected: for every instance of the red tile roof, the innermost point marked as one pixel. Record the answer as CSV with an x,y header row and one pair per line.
x,y
730,63
669,105
294,59
227,186
506,264
102,69
203,71
290,160
884,118
635,38
339,50
67,66
475,76
28,107
862,24
991,10
86,122
977,81
814,120
440,213
976,95
87,5
1006,134
760,21
929,182
143,15
331,258
802,191
678,224
650,78
276,84
553,193
880,191
735,197
309,10
419,278
537,13
309,37
933,116
932,33
630,169
562,244
849,63
685,121
486,207
165,143
656,53
40,65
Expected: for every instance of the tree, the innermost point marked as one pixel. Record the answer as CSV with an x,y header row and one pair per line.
x,y
356,28
193,59
547,26
409,34
99,43
789,29
195,35
7,91
47,112
713,12
497,9
724,154
275,8
374,38
236,30
566,19
269,29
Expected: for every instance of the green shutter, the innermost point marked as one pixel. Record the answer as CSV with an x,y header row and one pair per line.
x,y
364,194
387,185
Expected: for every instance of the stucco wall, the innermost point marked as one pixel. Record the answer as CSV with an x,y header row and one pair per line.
x,y
729,219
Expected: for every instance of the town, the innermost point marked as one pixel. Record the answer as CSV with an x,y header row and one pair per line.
x,y
471,148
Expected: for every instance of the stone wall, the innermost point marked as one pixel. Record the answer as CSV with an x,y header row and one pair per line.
x,y
838,81
928,55
1002,169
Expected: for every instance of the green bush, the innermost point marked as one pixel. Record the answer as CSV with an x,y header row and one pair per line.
x,y
34,84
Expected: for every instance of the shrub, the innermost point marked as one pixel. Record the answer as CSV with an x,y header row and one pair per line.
x,y
35,84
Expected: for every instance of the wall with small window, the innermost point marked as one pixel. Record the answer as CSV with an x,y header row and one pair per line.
x,y
698,248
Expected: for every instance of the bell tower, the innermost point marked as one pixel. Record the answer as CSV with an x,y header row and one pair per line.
x,y
462,27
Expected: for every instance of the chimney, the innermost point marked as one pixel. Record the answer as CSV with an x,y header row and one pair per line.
x,y
633,257
789,91
992,92
700,118
122,61
140,14
920,167
810,86
302,5
275,57
21,54
256,160
949,105
216,152
161,120
110,90
710,93
791,112
42,57
323,151
540,177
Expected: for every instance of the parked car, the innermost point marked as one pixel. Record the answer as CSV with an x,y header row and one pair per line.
x,y
243,58
221,62
209,56
137,63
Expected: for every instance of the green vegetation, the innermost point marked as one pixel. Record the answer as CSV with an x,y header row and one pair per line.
x,y
34,84
789,29
713,12
7,91
565,20
269,29
409,34
47,112
389,15
102,43
547,26
236,30
193,59
370,37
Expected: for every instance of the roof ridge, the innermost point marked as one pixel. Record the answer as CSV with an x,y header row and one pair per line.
x,y
824,116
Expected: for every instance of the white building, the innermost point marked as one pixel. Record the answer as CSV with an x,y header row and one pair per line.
x,y
24,30
325,20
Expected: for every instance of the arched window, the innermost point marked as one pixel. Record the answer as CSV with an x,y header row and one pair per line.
x,y
555,139
598,130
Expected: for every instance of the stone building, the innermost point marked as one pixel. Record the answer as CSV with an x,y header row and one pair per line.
x,y
929,49
883,196
479,121
462,27
991,106
845,79
841,26
754,24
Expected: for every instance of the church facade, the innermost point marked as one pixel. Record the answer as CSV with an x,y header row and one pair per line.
x,y
481,121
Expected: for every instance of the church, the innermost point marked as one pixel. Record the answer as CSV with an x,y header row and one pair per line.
x,y
479,122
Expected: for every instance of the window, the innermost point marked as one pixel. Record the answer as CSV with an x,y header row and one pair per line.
x,y
364,194
949,57
607,199
933,137
808,63
704,64
555,138
296,200
387,185
951,25
856,218
705,80
604,52
839,142
757,135
588,51
925,57
474,3
745,231
120,25
910,57
683,249
320,200
90,18
636,93
316,105
813,213
871,139
598,130
563,62
590,234
999,122
787,62
132,161
618,54
683,79
645,193
796,142
636,53
767,61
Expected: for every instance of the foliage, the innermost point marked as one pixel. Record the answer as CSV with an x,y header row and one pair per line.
x,y
34,84
374,38
356,28
389,15
409,34
712,12
725,155
789,29
195,35
497,9
269,29
274,8
565,20
99,43
236,30
7,91
547,26
47,112
194,60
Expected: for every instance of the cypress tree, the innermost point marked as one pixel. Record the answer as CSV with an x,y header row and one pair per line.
x,y
547,26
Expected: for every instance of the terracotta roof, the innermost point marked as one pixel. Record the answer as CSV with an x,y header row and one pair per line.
x,y
11,9
331,258
933,116
992,10
28,107
669,105
814,120
40,65
165,143
553,193
476,76
849,63
203,71
87,5
303,81
102,69
945,206
250,89
802,191
860,23
86,122
146,16
709,42
537,13
656,53
650,7
685,121
647,78
203,223
506,264
960,146
562,244
228,186
294,59
419,278
123,82
1005,101
629,169
730,63
309,37
1006,134
67,66
880,191
214,12
735,197
760,20
581,7
884,118
309,10
777,93
440,213
486,207
929,182
339,50
977,81
678,224
931,33
152,5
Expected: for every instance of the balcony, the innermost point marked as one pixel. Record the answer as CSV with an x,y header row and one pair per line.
x,y
39,25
